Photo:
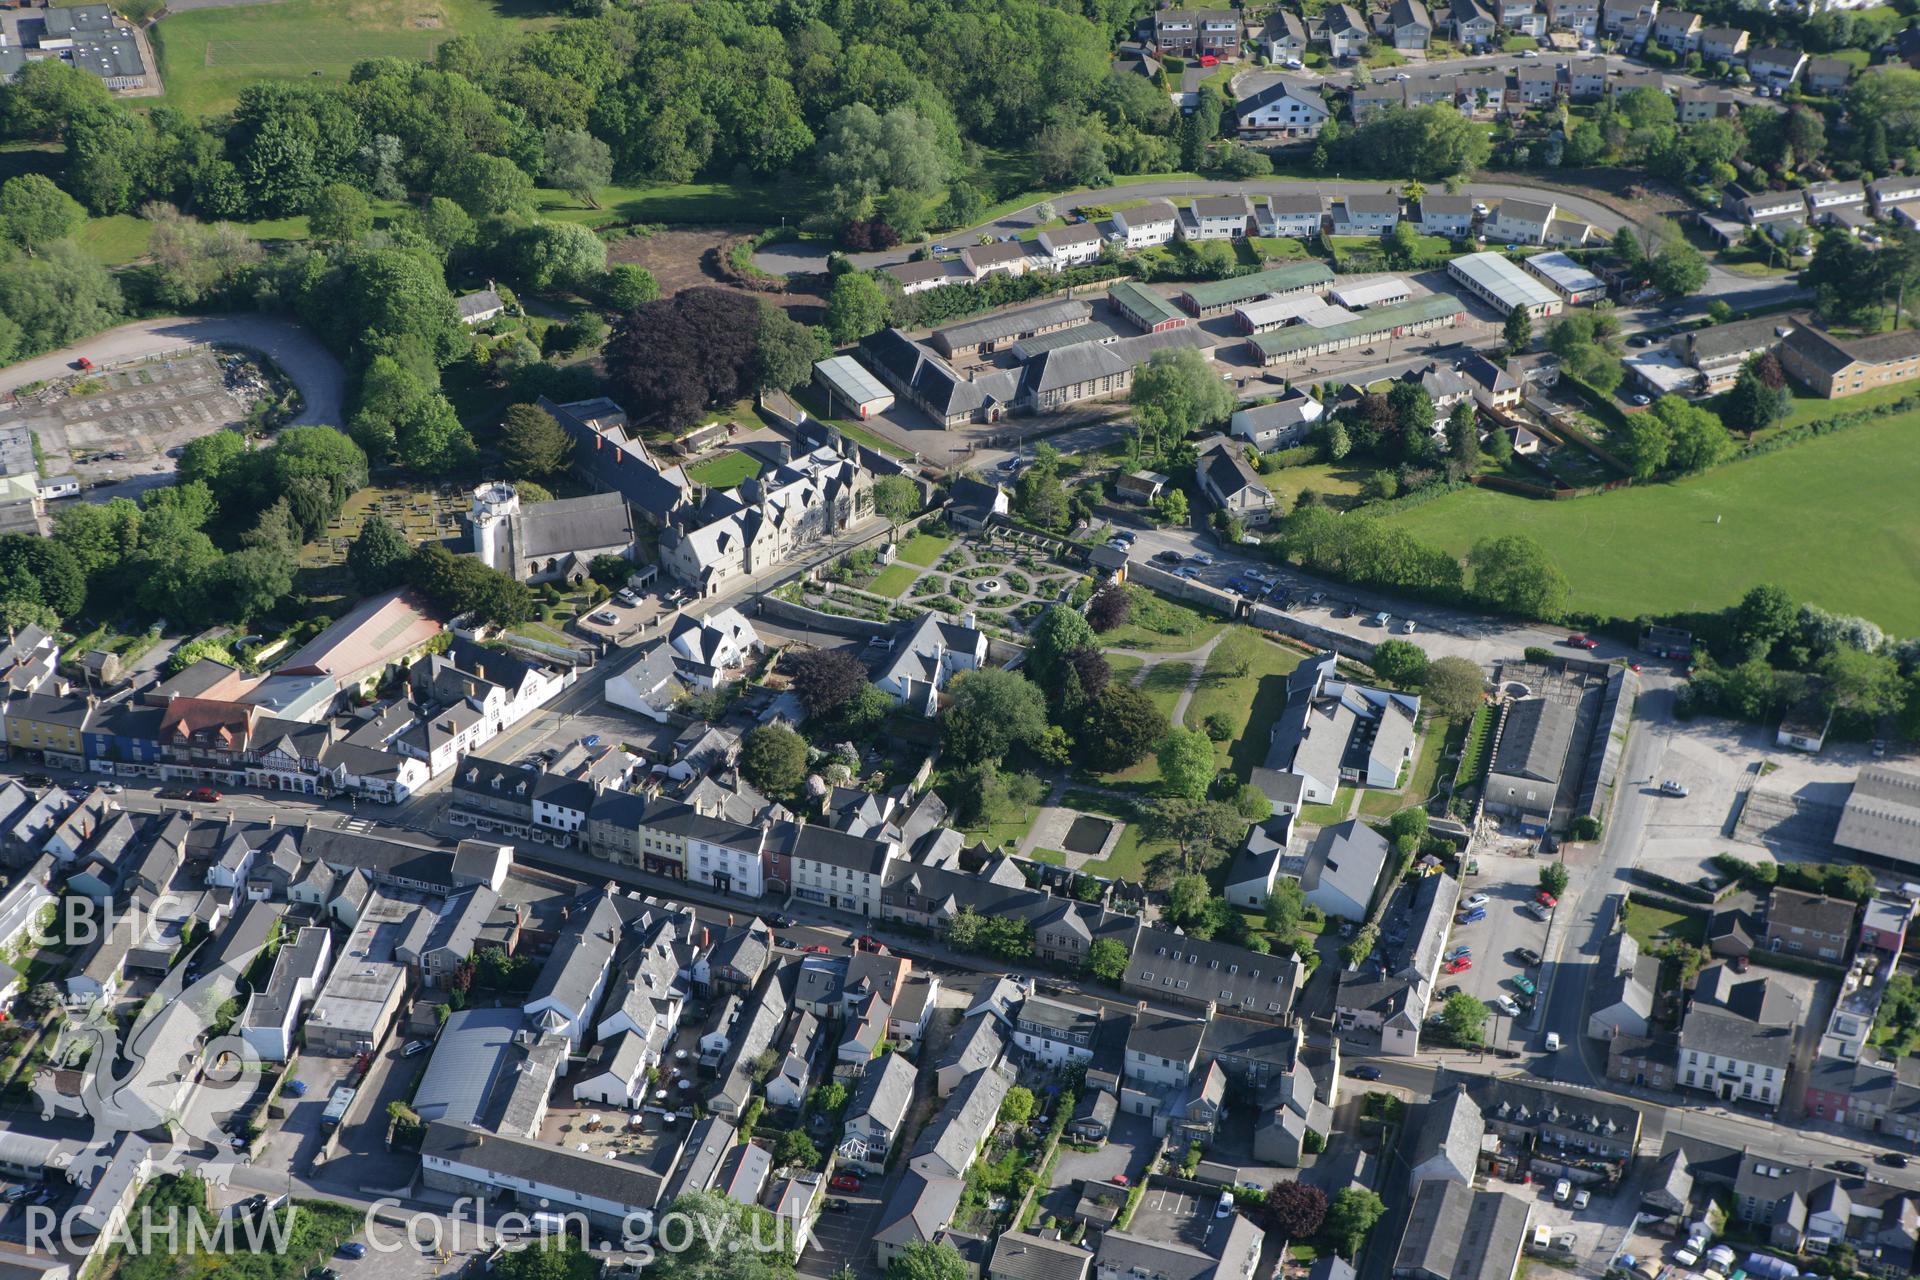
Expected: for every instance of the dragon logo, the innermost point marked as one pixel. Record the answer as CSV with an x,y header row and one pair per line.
x,y
169,1076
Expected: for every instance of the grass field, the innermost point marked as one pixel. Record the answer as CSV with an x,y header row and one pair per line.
x,y
1321,815
1802,518
1339,484
924,549
1162,625
1245,681
122,238
1651,926
725,471
208,55
725,203
1165,683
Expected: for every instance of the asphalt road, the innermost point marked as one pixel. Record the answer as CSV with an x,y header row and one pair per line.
x,y
299,354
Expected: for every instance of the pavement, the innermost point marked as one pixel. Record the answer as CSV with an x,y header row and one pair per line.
x,y
293,347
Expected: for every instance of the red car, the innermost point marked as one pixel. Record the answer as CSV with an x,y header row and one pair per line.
x,y
817,948
845,1182
1119,1179
1581,642
1546,899
1208,60
866,942
1459,964
83,364
204,793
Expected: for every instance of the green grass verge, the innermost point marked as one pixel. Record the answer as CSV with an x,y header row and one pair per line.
x,y
894,580
1799,518
208,55
726,471
1245,681
924,549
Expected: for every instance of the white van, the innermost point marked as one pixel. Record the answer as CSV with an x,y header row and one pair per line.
x,y
1553,1042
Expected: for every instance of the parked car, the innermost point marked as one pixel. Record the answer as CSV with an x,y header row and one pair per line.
x,y
866,942
1476,900
1741,964
1365,1073
204,794
1201,558
1853,1167
1673,787
1891,1159
1459,964
836,1205
1562,1191
817,948
1167,557
1382,618
1524,983
1459,951
1579,641
1119,1180
607,618
1507,1005
845,1182
1208,60
777,921
353,1249
1546,899
1474,916
1581,1197
37,780
1527,956
627,596
294,1088
1406,627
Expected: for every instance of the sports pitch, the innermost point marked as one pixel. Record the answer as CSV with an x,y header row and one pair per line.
x,y
1833,520
208,55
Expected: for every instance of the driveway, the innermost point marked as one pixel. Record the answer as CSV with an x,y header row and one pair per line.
x,y
299,354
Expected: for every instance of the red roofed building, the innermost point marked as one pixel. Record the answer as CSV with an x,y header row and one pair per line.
x,y
381,631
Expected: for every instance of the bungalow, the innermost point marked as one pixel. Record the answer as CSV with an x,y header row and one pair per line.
x,y
1150,224
1520,221
918,277
1408,24
1890,191
1722,44
1345,32
1472,25
1284,109
1232,485
1677,30
1775,66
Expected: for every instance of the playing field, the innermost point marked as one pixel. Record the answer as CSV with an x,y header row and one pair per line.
x,y
1833,520
208,55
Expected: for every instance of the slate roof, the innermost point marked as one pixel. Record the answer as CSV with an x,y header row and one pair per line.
x,y
884,1092
1534,739
1831,354
1747,1021
919,1208
1021,1255
1346,858
948,1143
1456,1233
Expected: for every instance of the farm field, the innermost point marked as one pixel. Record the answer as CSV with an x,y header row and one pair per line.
x,y
208,55
1832,520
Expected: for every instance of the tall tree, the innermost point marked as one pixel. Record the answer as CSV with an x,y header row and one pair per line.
x,y
34,212
577,163
1175,394
785,350
774,759
378,557
672,358
1186,763
532,443
1515,574
340,214
856,307
990,711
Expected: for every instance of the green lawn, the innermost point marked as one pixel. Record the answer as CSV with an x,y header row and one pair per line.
x,y
1515,44
1245,681
1279,248
725,471
1375,803
208,55
1161,625
1800,518
1337,482
122,238
894,580
1807,408
924,549
1321,815
1134,850
1651,926
1164,684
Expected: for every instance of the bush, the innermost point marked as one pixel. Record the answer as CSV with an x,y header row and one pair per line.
x,y
1585,827
1534,653
1218,726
